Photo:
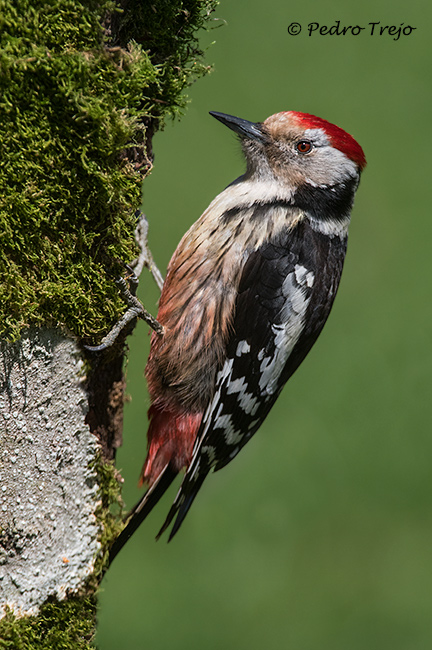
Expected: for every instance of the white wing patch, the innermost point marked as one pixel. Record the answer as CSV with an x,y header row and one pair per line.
x,y
250,396
303,276
288,333
248,403
242,348
231,434
213,416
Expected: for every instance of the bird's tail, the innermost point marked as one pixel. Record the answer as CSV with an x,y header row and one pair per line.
x,y
143,508
191,484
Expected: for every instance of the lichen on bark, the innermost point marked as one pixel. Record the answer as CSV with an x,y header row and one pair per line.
x,y
48,528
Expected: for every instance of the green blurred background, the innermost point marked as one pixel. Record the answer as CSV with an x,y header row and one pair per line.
x,y
319,535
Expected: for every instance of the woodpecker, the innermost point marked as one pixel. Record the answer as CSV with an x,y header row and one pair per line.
x,y
247,292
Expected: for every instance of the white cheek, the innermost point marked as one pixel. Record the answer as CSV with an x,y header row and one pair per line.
x,y
328,166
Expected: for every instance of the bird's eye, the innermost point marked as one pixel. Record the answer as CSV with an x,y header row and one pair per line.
x,y
304,146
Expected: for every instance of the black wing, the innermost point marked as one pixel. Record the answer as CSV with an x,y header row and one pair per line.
x,y
285,295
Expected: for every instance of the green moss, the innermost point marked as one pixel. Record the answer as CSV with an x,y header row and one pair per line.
x,y
65,625
108,513
82,85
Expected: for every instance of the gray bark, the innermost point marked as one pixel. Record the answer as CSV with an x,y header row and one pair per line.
x,y
48,482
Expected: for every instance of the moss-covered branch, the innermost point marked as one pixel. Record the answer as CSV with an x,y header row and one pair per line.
x,y
83,86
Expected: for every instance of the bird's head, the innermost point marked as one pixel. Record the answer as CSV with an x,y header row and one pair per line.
x,y
297,148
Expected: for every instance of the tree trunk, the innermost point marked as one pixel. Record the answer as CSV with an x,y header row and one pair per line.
x,y
83,87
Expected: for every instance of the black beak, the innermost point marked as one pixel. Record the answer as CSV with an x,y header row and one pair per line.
x,y
245,129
